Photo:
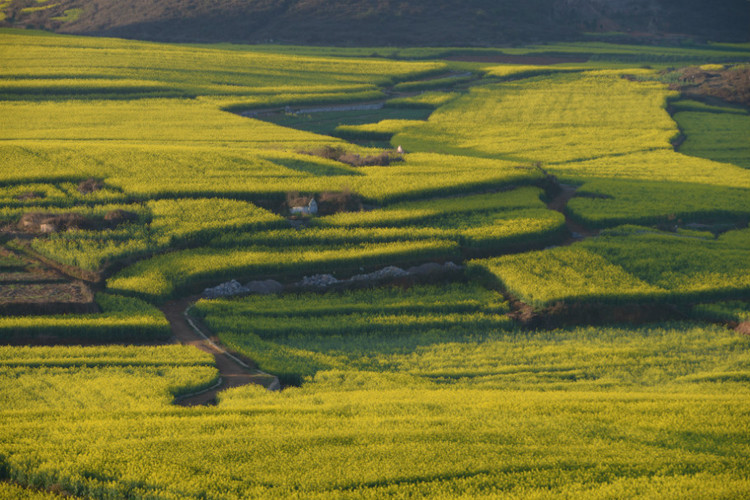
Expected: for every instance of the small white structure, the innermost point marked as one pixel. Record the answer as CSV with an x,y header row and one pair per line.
x,y
310,209
400,150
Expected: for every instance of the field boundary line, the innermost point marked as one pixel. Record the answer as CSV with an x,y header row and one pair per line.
x,y
202,391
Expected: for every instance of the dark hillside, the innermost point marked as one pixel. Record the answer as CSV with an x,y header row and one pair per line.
x,y
383,22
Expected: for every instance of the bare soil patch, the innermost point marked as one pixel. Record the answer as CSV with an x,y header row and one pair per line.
x,y
40,223
30,287
30,195
337,153
23,299
730,84
39,261
572,314
90,185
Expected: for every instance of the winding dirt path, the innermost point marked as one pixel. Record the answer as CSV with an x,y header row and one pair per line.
x,y
234,372
558,204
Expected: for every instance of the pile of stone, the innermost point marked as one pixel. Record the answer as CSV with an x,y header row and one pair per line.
x,y
318,281
328,281
387,273
433,269
90,185
234,287
227,289
390,273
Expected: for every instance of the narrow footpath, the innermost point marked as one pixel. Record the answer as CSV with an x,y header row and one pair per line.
x,y
234,372
558,204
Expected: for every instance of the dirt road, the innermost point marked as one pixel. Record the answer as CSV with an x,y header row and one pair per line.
x,y
558,203
234,372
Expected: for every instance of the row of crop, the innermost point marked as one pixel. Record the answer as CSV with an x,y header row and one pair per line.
x,y
735,311
94,213
110,355
448,298
369,443
169,275
209,168
330,237
259,103
97,388
173,223
603,203
435,83
425,100
416,212
111,93
700,52
485,223
380,131
297,336
628,265
62,194
194,69
716,136
192,222
122,319
525,119
482,231
367,323
515,230
288,335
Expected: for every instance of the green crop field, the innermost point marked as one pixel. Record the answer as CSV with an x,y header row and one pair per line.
x,y
595,412
630,263
721,134
590,340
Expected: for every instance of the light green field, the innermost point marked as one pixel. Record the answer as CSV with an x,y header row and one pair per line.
x,y
410,391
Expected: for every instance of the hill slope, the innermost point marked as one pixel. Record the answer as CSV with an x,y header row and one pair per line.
x,y
380,22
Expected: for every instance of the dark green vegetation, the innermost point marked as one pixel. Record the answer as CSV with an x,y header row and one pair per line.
x,y
383,23
326,122
716,132
631,264
585,349
122,319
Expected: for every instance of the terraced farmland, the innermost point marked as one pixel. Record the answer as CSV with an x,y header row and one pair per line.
x,y
459,278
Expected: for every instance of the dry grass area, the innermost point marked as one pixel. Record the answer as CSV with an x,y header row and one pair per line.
x,y
730,83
